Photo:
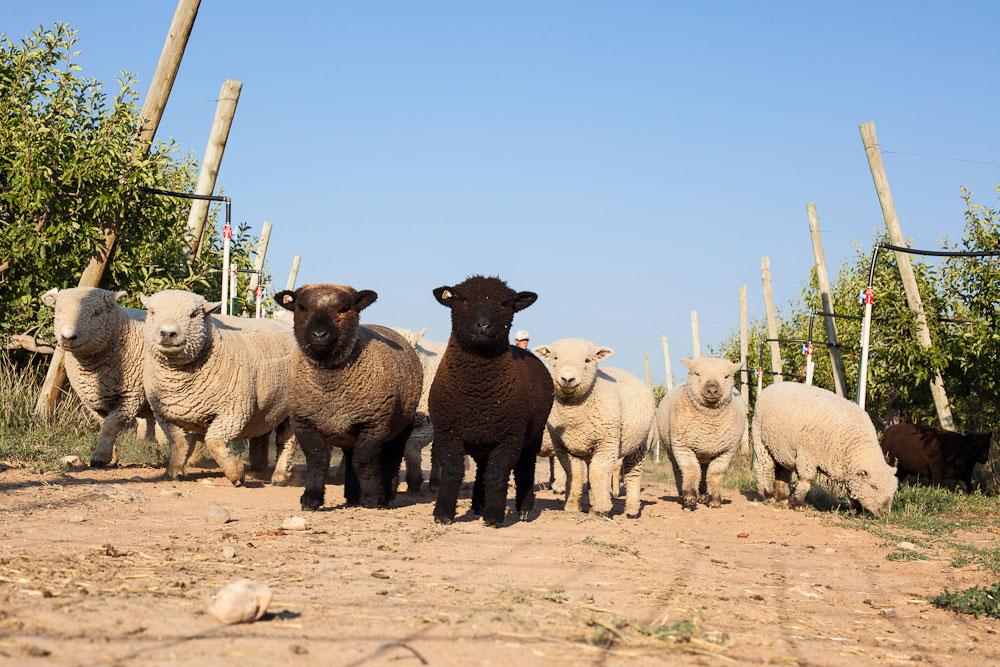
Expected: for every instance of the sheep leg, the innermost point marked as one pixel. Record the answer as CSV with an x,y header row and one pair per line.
x,y
632,473
104,451
782,480
258,453
714,474
352,485
559,475
414,474
452,458
499,464
676,469
389,461
366,462
285,444
616,479
524,482
575,476
479,488
317,454
178,450
764,466
806,474
149,432
232,466
690,468
600,485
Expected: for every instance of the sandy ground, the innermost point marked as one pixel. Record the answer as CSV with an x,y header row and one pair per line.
x,y
113,568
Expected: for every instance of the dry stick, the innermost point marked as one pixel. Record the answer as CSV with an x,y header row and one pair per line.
x,y
772,322
744,375
823,278
229,97
265,237
695,338
152,112
881,181
294,274
645,367
669,377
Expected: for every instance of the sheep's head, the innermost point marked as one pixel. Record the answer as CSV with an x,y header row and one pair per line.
x,y
326,319
873,486
981,443
710,380
573,365
86,318
482,311
177,327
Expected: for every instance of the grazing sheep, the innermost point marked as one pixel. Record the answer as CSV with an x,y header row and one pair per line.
x,y
701,423
601,416
943,457
804,429
103,346
352,386
430,353
489,400
224,377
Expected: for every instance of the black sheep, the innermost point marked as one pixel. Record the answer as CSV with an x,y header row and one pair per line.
x,y
489,400
939,456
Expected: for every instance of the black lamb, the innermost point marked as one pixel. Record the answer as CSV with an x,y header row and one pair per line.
x,y
489,400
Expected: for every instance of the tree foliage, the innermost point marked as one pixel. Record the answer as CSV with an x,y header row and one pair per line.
x,y
69,170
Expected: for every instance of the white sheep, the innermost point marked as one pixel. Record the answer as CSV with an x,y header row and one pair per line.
x,y
701,423
103,346
804,429
600,416
226,378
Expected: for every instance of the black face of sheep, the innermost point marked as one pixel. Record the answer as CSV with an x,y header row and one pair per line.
x,y
326,317
482,311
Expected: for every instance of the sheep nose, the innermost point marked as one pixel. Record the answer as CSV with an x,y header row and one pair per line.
x,y
68,333
168,332
483,325
713,389
319,335
567,379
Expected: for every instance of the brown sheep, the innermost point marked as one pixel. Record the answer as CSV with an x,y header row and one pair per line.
x,y
939,456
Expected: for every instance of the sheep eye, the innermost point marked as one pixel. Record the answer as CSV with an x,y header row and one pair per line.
x,y
194,313
343,309
586,361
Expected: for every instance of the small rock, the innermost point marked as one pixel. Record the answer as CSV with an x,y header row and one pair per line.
x,y
206,481
909,546
76,518
173,493
217,515
70,461
228,551
294,523
888,612
242,601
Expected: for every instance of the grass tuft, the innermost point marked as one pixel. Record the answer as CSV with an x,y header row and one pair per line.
x,y
978,601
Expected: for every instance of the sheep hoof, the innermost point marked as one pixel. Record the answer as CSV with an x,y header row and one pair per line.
x,y
99,463
690,503
525,515
601,514
311,502
632,515
443,520
174,474
493,523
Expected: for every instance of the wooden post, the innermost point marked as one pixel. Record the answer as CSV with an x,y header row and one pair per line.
x,y
823,279
695,338
645,367
667,368
258,265
293,276
152,112
772,322
229,96
744,349
881,180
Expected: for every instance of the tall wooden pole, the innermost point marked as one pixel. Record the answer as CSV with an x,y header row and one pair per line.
x,y
695,337
229,97
881,180
152,112
823,278
258,265
294,274
667,368
772,321
645,367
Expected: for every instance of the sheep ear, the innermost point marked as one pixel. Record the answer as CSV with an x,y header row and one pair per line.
x,y
119,295
603,353
212,306
285,299
688,363
445,295
417,335
543,351
144,300
49,298
365,298
736,366
523,300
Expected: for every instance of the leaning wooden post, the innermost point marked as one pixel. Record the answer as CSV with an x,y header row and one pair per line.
x,y
258,265
744,374
645,367
823,279
772,321
152,112
294,274
695,337
667,369
229,97
881,180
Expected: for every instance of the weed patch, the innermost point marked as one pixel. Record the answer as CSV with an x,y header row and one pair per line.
x,y
978,601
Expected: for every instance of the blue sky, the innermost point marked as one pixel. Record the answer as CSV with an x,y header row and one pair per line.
x,y
629,162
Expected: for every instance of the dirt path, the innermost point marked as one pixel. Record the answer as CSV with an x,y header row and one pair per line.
x,y
111,568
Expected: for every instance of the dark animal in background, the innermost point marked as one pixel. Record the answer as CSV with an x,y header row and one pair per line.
x,y
939,456
352,386
489,400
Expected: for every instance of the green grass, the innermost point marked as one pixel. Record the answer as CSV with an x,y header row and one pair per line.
x,y
978,601
906,554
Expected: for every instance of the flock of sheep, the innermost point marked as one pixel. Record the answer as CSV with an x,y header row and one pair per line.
x,y
379,393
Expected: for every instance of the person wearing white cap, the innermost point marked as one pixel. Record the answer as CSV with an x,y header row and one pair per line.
x,y
521,339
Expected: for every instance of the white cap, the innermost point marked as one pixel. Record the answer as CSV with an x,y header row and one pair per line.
x,y
521,335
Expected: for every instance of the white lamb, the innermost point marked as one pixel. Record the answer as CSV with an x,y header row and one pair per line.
x,y
804,429
226,378
701,423
600,416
